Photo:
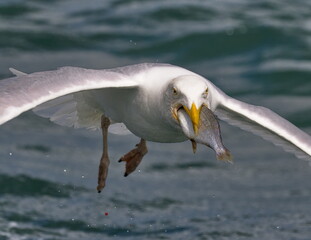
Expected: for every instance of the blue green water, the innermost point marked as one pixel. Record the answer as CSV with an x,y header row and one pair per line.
x,y
256,51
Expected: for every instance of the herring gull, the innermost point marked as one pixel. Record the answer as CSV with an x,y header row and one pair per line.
x,y
156,102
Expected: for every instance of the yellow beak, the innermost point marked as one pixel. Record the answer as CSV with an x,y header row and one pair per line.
x,y
194,114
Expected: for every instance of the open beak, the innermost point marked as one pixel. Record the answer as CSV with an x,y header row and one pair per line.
x,y
194,114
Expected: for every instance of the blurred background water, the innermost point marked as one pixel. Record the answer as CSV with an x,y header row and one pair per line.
x,y
256,51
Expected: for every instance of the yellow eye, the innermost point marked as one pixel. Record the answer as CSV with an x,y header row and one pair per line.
x,y
175,92
204,95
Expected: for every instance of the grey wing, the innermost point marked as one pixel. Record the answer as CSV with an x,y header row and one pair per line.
x,y
26,91
265,123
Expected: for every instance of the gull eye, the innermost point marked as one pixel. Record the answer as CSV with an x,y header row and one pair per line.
x,y
175,92
204,95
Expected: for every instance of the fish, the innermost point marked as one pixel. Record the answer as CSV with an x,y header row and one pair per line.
x,y
208,134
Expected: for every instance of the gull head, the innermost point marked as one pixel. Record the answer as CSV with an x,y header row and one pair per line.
x,y
190,93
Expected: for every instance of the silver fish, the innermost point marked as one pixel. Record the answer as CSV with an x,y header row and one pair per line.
x,y
208,133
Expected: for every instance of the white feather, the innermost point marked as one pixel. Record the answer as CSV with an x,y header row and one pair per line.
x,y
17,72
265,123
134,95
119,129
27,91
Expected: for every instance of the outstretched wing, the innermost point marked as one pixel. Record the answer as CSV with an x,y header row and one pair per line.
x,y
265,123
26,91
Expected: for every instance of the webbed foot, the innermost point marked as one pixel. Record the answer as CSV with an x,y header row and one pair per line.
x,y
134,157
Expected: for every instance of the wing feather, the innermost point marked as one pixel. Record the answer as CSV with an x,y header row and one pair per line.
x,y
265,123
17,72
26,91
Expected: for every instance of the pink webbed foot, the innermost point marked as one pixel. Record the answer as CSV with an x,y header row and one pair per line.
x,y
134,157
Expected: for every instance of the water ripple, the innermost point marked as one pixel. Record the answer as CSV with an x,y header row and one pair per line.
x,y
22,185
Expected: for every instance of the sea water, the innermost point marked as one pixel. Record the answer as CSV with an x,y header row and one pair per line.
x,y
256,51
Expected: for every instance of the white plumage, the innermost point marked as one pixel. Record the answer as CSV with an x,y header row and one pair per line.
x,y
138,99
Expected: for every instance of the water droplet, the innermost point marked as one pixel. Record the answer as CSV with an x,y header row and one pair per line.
x,y
10,154
65,170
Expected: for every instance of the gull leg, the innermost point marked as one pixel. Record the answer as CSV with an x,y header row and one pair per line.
x,y
134,157
104,161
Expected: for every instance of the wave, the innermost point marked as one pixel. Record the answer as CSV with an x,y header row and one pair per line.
x,y
23,185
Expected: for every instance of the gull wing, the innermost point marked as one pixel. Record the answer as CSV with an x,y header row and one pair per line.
x,y
265,123
26,91
17,72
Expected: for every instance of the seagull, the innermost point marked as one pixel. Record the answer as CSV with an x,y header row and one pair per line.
x,y
144,99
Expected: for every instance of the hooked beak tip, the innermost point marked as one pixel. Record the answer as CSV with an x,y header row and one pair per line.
x,y
194,114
